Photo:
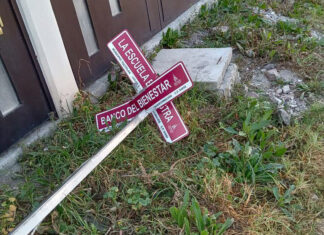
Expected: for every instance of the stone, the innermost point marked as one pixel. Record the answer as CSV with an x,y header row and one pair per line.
x,y
272,74
269,66
260,81
279,91
222,29
232,76
284,117
246,88
285,89
271,17
289,77
317,35
275,100
242,28
250,53
205,65
252,94
196,39
314,198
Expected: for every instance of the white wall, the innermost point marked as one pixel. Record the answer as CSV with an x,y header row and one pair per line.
x,y
48,45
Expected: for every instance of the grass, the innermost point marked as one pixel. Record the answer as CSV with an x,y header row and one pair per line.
x,y
287,43
240,171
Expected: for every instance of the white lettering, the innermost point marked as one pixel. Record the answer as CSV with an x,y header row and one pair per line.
x,y
124,47
167,114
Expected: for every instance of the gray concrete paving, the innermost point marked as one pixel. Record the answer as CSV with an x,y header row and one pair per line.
x,y
205,65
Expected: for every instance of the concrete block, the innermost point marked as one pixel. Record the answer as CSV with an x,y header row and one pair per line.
x,y
205,65
98,89
232,76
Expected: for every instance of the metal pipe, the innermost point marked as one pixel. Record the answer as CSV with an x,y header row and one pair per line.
x,y
26,226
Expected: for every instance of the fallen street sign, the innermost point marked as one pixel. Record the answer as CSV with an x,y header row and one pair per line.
x,y
132,60
121,113
170,123
173,83
170,85
141,74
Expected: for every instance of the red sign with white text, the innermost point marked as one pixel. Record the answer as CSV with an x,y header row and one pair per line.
x,y
132,60
141,73
173,83
170,123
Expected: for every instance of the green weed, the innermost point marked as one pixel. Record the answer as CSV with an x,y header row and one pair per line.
x,y
170,38
284,199
248,164
198,219
138,197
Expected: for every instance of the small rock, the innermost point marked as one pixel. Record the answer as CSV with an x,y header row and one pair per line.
x,y
252,94
250,53
284,116
195,39
276,100
279,91
288,76
271,17
285,89
242,28
222,29
260,81
317,35
272,74
269,66
246,88
314,198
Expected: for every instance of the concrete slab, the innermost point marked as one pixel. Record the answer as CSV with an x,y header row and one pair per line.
x,y
232,76
205,65
98,89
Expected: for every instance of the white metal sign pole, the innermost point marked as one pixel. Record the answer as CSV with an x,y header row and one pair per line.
x,y
76,178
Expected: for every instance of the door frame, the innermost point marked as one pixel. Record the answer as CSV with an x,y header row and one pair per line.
x,y
32,55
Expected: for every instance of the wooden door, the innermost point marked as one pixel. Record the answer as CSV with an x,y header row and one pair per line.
x,y
87,26
23,105
171,9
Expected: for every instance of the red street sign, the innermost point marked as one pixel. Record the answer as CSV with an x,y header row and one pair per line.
x,y
141,73
173,83
132,60
170,123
